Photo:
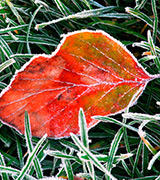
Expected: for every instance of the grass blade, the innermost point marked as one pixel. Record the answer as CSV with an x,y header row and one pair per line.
x,y
36,39
153,51
127,168
9,29
137,156
5,48
6,64
158,178
146,45
141,16
3,175
87,3
19,152
5,140
91,156
142,135
145,160
29,27
111,120
62,7
23,55
28,137
59,154
4,76
113,149
85,141
3,85
154,158
31,157
155,26
83,128
104,158
7,51
68,169
13,171
15,12
141,117
141,4
127,145
146,178
83,14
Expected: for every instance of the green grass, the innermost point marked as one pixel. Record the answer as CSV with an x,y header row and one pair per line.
x,y
113,148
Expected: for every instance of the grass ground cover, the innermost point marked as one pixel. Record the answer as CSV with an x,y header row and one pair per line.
x,y
125,146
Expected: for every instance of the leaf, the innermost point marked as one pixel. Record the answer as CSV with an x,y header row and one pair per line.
x,y
89,69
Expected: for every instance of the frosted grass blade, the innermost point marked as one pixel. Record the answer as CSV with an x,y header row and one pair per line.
x,y
19,151
3,85
137,156
104,158
59,154
7,51
23,55
6,64
29,27
91,156
83,14
141,117
3,175
14,10
113,149
127,169
28,137
68,169
5,76
83,128
153,50
87,3
85,141
141,16
31,157
146,45
111,120
154,158
9,29
5,140
146,58
13,171
158,178
5,48
145,160
140,5
127,145
37,39
155,26
115,15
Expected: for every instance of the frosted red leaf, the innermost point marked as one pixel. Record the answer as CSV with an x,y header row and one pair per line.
x,y
89,69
